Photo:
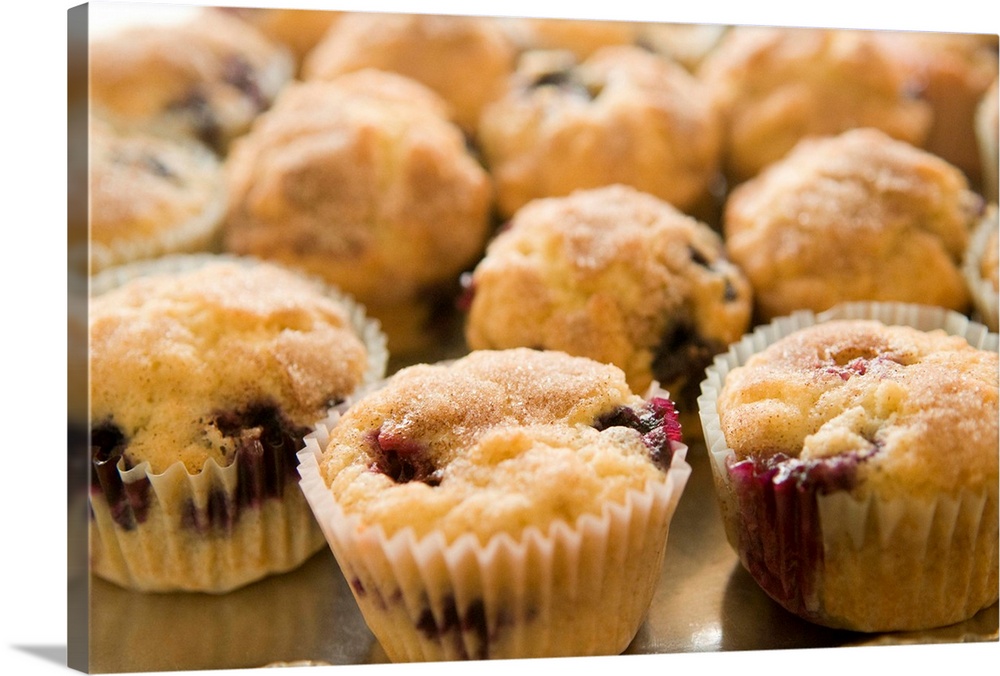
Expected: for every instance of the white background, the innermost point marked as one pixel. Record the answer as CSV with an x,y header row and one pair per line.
x,y
32,97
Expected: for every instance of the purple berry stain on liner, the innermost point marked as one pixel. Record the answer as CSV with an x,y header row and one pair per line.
x,y
266,444
657,423
780,540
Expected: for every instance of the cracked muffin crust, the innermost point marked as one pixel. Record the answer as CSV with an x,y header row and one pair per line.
x,y
540,478
362,181
615,275
623,115
861,487
206,374
859,216
777,86
150,195
206,78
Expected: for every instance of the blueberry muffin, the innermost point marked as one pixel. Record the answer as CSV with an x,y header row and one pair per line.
x,y
362,181
953,72
776,86
623,115
858,216
856,466
615,275
580,37
206,78
150,195
299,30
508,504
464,59
981,268
206,374
988,137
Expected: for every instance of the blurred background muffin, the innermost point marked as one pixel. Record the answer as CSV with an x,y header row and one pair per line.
x,y
362,181
775,86
205,77
623,115
150,195
951,71
988,136
857,216
464,59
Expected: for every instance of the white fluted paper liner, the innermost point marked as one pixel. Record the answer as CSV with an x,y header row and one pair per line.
x,y
942,553
158,553
985,298
572,590
272,535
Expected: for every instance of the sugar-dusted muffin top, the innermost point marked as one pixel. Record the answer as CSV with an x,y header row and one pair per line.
x,y
362,181
776,86
150,195
623,115
893,408
613,274
858,216
496,442
466,60
185,363
207,77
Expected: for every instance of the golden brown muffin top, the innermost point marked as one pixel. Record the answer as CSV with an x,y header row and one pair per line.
x,y
623,115
492,443
606,273
581,37
149,194
300,30
858,216
776,86
173,353
464,59
207,77
360,181
919,409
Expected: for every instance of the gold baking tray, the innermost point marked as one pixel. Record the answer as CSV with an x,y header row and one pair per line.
x,y
705,602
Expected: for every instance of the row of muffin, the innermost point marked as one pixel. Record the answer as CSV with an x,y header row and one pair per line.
x,y
612,268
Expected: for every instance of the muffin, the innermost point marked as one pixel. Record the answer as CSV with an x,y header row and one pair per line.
x,y
299,30
615,275
981,268
623,115
581,37
776,86
858,216
205,375
512,503
466,60
150,195
855,458
361,180
952,72
687,43
206,78
988,137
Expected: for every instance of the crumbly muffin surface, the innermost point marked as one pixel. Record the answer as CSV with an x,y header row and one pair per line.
x,y
492,443
208,77
859,216
623,115
777,86
611,274
173,354
919,409
361,181
150,194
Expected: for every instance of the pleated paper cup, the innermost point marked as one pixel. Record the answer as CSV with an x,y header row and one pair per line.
x,y
878,563
219,528
573,589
